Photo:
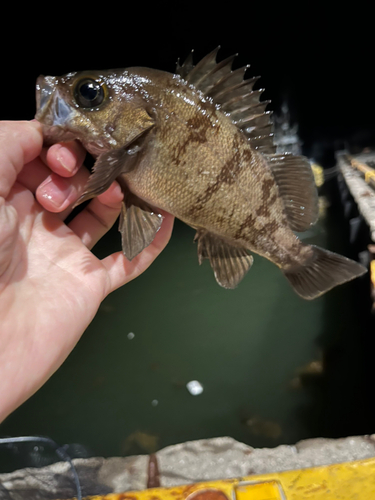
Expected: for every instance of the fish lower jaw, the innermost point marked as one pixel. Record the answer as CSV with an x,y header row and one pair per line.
x,y
53,134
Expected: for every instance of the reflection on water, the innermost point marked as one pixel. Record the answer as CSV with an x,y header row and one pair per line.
x,y
123,390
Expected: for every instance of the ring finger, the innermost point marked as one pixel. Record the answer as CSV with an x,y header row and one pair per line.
x,y
57,193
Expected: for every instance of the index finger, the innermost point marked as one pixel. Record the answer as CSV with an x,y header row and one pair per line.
x,y
20,143
65,158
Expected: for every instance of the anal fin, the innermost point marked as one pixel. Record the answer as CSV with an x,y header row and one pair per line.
x,y
138,225
229,263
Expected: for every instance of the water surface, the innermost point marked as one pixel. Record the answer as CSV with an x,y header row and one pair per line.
x,y
123,389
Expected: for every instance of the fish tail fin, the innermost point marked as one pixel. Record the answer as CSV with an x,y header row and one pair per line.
x,y
323,271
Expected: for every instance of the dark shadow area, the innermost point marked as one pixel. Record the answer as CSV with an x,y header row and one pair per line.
x,y
340,402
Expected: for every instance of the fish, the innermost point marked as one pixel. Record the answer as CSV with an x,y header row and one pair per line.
x,y
197,143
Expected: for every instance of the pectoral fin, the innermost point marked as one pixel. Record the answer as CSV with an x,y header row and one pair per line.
x,y
138,225
107,168
229,263
111,164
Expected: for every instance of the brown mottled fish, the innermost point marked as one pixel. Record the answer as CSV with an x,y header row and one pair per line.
x,y
197,144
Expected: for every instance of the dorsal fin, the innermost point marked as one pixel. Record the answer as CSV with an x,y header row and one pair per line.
x,y
186,67
234,94
295,181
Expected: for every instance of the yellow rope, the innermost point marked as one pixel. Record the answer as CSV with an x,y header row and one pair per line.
x,y
369,174
358,165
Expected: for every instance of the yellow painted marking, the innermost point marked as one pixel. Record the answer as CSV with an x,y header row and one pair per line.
x,y
346,481
372,272
271,490
368,175
368,172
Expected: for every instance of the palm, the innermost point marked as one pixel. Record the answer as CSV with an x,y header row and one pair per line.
x,y
51,285
54,271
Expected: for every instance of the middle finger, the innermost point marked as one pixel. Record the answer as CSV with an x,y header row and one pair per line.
x,y
63,159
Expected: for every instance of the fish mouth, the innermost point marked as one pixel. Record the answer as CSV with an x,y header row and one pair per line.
x,y
53,112
45,87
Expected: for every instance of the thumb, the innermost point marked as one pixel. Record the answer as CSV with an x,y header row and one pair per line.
x,y
20,142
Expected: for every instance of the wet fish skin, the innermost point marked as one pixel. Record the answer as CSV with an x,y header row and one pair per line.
x,y
197,145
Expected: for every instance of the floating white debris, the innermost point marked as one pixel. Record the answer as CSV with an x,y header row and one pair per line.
x,y
194,387
154,402
130,335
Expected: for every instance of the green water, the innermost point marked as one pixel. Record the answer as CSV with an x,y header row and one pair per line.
x,y
117,395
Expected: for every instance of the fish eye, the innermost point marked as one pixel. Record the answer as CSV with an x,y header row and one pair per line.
x,y
89,93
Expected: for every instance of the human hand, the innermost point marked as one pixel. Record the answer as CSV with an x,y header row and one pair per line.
x,y
51,285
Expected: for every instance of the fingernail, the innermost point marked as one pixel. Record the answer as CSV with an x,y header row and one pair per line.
x,y
56,191
36,124
66,158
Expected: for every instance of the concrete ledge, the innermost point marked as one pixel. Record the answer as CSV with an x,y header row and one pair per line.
x,y
194,461
362,193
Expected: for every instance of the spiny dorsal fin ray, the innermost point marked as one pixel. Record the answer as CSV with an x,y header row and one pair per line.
x,y
236,103
247,122
218,72
295,181
234,81
234,94
229,263
249,104
186,67
262,144
204,67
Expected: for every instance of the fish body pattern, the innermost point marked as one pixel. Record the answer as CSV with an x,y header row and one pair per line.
x,y
199,145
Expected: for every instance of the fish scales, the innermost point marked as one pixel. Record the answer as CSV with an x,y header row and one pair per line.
x,y
237,192
168,141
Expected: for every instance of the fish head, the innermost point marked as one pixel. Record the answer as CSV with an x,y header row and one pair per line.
x,y
104,110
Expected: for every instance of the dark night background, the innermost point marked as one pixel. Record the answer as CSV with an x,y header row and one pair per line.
x,y
317,58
